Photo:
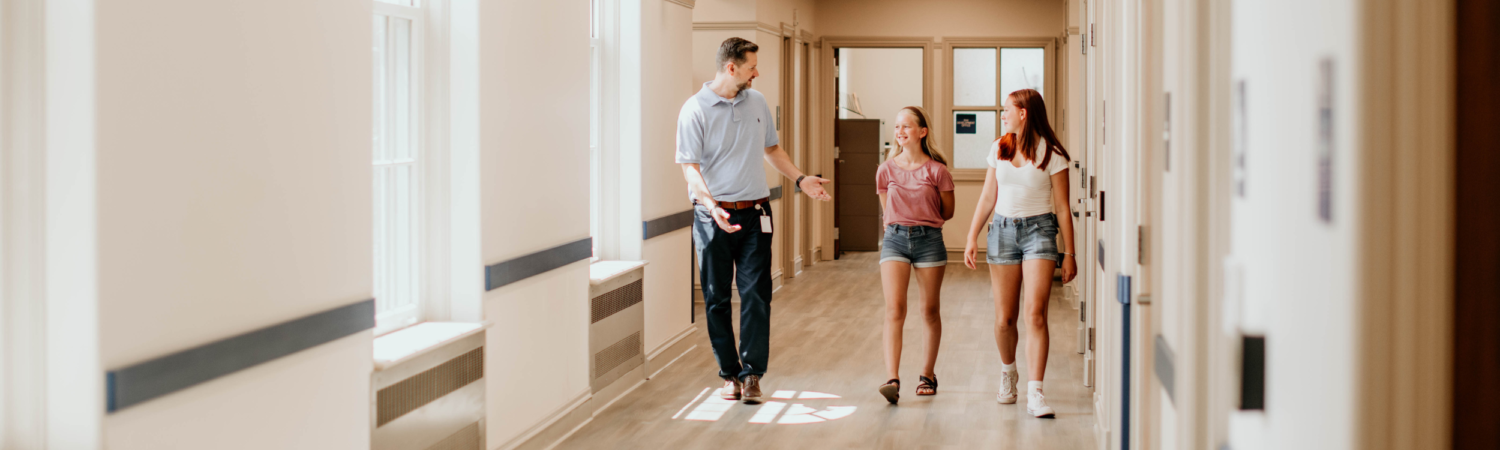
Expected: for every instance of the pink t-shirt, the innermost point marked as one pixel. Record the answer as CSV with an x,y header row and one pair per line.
x,y
914,194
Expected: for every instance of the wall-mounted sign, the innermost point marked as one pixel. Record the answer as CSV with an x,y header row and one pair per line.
x,y
1325,140
966,124
1166,134
1239,136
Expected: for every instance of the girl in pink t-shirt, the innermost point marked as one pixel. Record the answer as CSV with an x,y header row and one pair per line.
x,y
916,192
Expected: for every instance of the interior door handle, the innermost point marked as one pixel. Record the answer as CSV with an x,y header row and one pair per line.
x,y
841,161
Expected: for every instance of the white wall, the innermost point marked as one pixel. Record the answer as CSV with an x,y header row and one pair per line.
x,y
233,194
534,180
1298,271
886,80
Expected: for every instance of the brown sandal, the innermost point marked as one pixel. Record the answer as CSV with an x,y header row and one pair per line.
x,y
930,384
891,390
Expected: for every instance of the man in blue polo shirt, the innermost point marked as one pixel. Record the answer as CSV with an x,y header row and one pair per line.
x,y
723,133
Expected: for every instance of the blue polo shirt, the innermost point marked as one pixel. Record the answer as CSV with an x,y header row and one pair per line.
x,y
727,138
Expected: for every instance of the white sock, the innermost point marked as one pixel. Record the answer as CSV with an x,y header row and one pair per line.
x,y
1008,367
1033,386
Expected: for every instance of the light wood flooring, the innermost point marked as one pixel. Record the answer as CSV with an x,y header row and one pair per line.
x,y
825,338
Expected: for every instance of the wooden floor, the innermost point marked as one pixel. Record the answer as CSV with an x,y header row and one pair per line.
x,y
825,338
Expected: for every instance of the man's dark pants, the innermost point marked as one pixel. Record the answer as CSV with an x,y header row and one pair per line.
x,y
744,255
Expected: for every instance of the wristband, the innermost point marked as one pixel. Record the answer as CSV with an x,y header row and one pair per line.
x,y
798,183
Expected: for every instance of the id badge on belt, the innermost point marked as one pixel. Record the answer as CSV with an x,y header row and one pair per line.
x,y
765,220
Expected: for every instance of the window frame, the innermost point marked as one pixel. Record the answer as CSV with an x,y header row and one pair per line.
x,y
1049,51
596,126
394,319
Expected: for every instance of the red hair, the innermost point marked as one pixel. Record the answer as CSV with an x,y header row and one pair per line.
x,y
1036,129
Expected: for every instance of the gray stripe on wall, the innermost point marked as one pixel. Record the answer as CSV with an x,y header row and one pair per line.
x,y
507,272
142,382
1166,365
775,192
666,224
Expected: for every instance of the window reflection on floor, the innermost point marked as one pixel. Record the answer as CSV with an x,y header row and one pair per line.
x,y
709,407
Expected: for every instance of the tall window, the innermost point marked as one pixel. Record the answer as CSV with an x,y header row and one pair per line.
x,y
983,75
398,163
596,120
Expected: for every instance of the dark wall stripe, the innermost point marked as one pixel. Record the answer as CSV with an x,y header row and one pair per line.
x,y
666,224
1122,292
142,382
507,272
1166,366
775,192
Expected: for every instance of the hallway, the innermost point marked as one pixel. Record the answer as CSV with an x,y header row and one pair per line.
x,y
471,224
825,338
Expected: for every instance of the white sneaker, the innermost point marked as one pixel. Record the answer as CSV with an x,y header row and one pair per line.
x,y
1036,404
1007,393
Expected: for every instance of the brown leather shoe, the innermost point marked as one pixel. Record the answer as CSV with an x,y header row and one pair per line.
x,y
731,390
752,390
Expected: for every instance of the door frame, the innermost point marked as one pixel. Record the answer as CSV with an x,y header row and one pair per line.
x,y
1475,262
786,120
828,105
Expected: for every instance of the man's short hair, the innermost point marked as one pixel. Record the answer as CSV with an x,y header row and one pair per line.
x,y
735,49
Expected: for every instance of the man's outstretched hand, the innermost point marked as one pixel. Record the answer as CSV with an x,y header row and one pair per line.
x,y
813,187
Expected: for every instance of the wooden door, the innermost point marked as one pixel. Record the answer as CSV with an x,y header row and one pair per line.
x,y
859,224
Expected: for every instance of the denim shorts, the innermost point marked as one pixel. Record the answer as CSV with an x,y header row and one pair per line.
x,y
921,246
1013,240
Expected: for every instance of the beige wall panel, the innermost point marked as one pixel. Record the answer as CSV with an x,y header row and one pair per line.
x,y
534,181
973,18
668,84
234,192
315,399
534,152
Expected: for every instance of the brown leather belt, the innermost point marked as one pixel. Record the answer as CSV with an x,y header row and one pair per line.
x,y
743,205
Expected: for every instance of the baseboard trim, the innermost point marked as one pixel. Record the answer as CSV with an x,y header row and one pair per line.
x,y
664,348
671,351
561,423
1101,427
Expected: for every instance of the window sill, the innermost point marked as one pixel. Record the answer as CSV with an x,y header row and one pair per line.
x,y
601,272
407,343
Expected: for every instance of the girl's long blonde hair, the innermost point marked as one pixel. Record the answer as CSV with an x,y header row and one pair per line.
x,y
927,146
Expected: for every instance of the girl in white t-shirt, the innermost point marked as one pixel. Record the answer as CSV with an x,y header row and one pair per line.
x,y
1026,188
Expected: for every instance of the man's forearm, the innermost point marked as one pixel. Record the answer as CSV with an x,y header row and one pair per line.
x,y
782,162
698,185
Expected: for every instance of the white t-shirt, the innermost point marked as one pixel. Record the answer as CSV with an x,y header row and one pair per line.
x,y
1024,191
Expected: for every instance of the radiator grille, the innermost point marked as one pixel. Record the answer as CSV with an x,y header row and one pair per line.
x,y
615,301
616,354
465,439
421,389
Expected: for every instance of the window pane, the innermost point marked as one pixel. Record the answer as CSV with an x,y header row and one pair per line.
x,y
396,177
1022,68
381,181
401,60
971,149
382,85
974,77
404,242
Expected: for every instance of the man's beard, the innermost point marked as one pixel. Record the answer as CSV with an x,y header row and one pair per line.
x,y
743,86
